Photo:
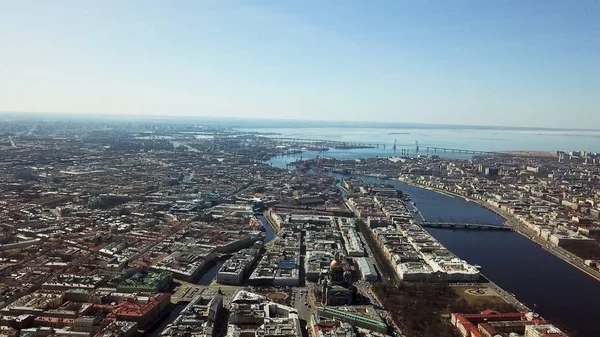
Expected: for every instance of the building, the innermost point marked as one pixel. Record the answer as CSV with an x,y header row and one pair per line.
x,y
367,269
197,318
234,270
34,303
414,271
90,324
64,282
361,316
490,323
316,262
277,268
374,222
150,282
142,309
543,330
322,327
119,329
279,327
570,239
335,285
352,243
251,314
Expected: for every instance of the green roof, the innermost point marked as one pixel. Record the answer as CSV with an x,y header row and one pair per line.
x,y
151,279
351,316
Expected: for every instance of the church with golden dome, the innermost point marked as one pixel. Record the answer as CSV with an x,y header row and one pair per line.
x,y
335,284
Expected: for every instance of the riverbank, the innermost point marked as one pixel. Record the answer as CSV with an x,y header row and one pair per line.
x,y
271,223
503,294
541,154
519,228
454,195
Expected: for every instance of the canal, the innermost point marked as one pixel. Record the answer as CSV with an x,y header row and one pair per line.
x,y
155,331
206,279
269,230
210,274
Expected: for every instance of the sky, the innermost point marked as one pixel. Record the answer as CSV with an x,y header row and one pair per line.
x,y
497,62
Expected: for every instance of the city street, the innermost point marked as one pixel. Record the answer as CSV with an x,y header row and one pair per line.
x,y
300,302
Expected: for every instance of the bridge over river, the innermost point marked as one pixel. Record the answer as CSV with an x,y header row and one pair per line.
x,y
454,225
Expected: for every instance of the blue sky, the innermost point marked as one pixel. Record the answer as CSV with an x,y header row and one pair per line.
x,y
500,62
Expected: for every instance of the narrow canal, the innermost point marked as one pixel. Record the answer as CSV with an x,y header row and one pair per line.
x,y
166,320
269,230
210,274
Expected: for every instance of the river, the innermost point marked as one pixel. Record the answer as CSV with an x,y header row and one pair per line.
x,y
562,293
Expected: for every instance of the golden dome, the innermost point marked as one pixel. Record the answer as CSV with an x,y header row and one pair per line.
x,y
335,264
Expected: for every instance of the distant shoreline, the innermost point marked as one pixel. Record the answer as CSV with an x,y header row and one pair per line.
x,y
545,154
244,122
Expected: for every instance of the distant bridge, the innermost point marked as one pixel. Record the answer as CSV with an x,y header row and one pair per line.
x,y
453,225
452,150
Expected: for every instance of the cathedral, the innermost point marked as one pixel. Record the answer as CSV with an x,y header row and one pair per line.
x,y
335,285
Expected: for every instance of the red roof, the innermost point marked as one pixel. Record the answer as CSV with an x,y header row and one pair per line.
x,y
137,309
466,320
489,312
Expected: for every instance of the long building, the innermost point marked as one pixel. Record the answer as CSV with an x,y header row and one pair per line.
x,y
491,323
235,269
366,268
417,256
364,316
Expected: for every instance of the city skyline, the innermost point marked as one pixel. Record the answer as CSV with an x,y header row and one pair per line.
x,y
511,64
123,226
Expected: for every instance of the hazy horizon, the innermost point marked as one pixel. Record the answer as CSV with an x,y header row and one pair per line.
x,y
264,123
508,64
